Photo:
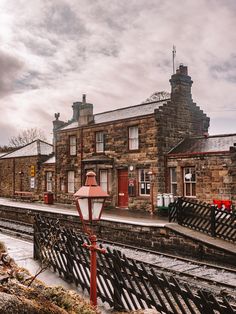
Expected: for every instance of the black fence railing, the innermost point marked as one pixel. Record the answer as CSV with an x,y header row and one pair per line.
x,y
204,217
125,284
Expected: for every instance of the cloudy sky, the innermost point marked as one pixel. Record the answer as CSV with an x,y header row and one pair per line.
x,y
118,52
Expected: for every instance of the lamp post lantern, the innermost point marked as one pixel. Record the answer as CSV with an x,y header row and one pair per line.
x,y
90,200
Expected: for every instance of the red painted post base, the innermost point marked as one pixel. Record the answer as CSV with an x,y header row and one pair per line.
x,y
93,267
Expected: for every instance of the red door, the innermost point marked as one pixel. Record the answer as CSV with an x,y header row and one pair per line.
x,y
123,188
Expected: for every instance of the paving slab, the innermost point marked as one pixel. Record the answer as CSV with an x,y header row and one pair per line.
x,y
116,214
203,237
22,252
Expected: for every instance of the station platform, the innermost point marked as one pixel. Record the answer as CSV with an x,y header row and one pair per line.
x,y
116,214
127,216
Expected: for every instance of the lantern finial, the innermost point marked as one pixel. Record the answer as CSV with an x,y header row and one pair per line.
x,y
91,179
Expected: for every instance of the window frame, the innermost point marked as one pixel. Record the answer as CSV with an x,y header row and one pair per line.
x,y
99,142
144,184
173,183
189,182
70,182
48,181
72,145
101,183
133,140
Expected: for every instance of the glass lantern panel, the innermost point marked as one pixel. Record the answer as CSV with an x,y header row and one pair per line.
x,y
84,207
96,206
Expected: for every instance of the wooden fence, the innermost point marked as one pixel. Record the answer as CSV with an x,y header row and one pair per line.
x,y
125,284
204,217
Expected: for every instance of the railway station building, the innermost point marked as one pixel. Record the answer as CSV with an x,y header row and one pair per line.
x,y
127,148
138,153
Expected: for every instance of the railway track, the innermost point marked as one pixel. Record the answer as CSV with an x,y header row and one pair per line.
x,y
221,280
199,274
16,228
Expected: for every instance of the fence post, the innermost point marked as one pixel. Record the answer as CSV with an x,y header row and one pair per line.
x,y
117,296
213,221
36,251
179,211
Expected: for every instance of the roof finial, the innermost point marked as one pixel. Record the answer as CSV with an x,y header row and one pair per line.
x,y
84,99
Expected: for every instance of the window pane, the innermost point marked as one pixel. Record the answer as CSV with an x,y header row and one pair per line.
x,y
71,182
173,175
72,145
144,182
49,181
104,180
174,189
99,142
133,138
187,185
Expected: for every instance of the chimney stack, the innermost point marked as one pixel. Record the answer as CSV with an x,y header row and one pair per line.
x,y
82,112
181,84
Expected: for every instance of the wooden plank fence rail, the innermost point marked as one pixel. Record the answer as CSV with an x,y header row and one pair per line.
x,y
125,284
204,217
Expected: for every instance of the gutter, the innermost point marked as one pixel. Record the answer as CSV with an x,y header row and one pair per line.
x,y
198,154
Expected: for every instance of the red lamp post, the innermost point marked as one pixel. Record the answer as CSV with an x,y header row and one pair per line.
x,y
90,200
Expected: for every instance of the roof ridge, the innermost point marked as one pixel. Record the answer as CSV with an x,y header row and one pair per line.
x,y
134,106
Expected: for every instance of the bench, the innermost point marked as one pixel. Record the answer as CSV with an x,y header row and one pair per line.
x,y
24,196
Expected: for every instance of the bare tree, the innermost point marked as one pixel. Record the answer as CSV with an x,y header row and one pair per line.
x,y
26,136
163,95
5,149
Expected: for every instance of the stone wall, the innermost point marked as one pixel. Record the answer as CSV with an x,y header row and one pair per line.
x,y
15,174
44,169
116,155
178,118
148,237
214,176
158,133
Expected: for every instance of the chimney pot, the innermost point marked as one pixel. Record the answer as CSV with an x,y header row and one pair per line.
x,y
84,99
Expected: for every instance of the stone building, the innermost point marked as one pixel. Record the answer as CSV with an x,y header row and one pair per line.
x,y
20,170
204,168
127,147
138,152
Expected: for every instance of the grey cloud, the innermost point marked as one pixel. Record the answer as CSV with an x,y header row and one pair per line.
x,y
62,20
10,67
27,81
225,70
7,131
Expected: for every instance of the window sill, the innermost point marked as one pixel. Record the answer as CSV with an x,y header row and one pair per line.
x,y
133,150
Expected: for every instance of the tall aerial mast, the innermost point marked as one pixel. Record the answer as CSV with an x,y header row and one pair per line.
x,y
173,58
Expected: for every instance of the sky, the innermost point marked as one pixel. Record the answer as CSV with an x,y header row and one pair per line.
x,y
117,52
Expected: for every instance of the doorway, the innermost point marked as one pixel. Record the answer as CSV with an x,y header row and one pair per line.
x,y
123,188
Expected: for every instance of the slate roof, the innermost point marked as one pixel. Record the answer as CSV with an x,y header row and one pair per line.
x,y
210,144
2,154
34,148
51,160
122,113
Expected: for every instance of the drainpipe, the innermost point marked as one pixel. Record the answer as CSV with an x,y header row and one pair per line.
x,y
166,172
14,176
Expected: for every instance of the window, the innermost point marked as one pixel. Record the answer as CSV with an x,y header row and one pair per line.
x,y
99,142
72,145
62,185
189,181
144,182
173,181
133,138
71,182
49,181
104,180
